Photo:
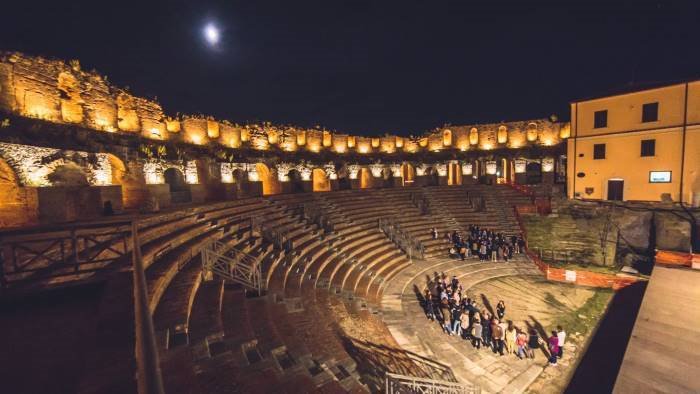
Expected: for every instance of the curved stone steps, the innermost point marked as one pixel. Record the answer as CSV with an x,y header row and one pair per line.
x,y
406,320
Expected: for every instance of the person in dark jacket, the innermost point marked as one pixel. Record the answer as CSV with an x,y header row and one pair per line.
x,y
533,343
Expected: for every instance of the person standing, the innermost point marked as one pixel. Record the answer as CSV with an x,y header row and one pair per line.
x,y
456,319
429,308
511,336
497,336
533,343
521,343
464,324
486,329
561,336
553,345
476,333
445,312
501,309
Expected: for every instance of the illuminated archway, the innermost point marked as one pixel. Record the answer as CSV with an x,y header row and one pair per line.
x,y
15,208
447,137
365,178
269,181
133,187
320,181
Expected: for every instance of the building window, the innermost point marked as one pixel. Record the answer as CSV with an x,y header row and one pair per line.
x,y
600,119
598,151
650,112
648,148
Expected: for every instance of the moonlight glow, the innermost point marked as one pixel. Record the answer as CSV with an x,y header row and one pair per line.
x,y
211,34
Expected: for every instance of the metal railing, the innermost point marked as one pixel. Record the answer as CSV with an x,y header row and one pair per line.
x,y
395,383
407,243
233,264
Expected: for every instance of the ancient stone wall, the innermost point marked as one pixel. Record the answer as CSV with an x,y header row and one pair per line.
x,y
61,92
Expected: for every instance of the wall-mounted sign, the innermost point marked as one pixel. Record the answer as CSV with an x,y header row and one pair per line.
x,y
659,176
570,276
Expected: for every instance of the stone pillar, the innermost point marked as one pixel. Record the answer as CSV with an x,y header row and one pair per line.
x,y
335,184
548,170
354,184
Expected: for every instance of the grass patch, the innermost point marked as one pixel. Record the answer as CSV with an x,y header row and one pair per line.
x,y
593,310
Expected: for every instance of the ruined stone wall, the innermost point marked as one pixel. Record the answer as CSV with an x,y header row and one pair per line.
x,y
61,92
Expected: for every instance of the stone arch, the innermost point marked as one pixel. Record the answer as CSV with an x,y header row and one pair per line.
x,y
132,187
17,207
531,133
179,192
295,181
68,174
320,181
447,137
270,184
502,135
175,178
473,136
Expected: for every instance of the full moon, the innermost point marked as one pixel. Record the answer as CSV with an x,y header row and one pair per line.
x,y
211,34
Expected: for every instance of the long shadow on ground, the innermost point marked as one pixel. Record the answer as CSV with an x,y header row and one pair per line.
x,y
600,364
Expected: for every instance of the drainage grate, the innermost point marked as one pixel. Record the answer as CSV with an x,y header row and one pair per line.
x,y
216,348
180,336
315,369
342,373
251,352
285,360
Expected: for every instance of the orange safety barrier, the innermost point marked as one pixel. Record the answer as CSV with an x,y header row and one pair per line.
x,y
668,257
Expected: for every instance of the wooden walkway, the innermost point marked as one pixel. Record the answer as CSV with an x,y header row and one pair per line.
x,y
664,351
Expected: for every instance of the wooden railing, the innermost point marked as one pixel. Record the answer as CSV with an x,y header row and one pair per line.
x,y
57,254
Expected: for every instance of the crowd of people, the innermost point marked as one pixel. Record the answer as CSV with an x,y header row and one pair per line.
x,y
445,302
482,243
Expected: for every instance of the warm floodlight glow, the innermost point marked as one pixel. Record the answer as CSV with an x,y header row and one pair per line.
x,y
211,34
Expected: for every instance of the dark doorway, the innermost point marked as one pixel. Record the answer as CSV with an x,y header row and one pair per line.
x,y
615,187
179,192
533,173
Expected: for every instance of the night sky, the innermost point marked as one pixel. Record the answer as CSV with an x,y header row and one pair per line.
x,y
365,67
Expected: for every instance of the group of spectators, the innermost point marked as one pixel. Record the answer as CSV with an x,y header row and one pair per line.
x,y
483,243
461,316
